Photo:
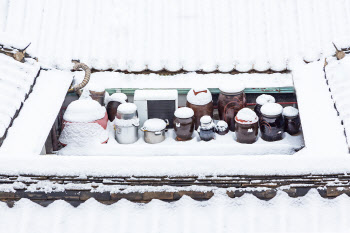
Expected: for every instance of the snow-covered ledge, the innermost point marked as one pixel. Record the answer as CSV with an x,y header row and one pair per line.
x,y
325,153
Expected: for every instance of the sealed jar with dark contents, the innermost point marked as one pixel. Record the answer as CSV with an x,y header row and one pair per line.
x,y
113,103
246,126
291,120
207,129
184,124
271,122
201,102
261,100
231,100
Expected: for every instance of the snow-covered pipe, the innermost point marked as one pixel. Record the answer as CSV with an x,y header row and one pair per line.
x,y
86,79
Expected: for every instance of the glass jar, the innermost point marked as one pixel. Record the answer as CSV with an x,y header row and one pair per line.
x,y
184,124
247,128
207,129
200,101
229,103
271,122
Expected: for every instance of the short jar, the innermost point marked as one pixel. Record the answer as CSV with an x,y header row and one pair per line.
x,y
184,124
271,122
247,127
261,100
207,129
291,120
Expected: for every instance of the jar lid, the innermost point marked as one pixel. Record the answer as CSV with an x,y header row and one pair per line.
x,y
184,112
290,111
154,125
205,119
246,116
232,89
271,109
84,110
199,96
127,108
263,99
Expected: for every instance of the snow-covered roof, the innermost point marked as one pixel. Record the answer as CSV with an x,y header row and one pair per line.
x,y
16,82
221,213
338,77
187,34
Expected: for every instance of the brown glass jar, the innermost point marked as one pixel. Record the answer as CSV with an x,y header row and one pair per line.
x,y
184,124
246,129
291,120
200,101
229,103
114,101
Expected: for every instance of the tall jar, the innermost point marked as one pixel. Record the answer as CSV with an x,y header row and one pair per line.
x,y
113,103
184,124
271,122
126,124
246,126
201,102
261,100
231,100
291,120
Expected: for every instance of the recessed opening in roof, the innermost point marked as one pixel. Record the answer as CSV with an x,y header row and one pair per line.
x,y
179,131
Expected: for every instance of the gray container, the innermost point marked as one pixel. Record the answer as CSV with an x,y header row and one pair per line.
x,y
153,135
126,124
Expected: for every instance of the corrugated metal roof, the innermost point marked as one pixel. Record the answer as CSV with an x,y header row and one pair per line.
x,y
16,81
310,213
187,34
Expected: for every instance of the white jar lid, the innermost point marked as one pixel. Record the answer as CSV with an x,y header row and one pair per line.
x,y
271,109
263,99
154,125
127,108
184,112
246,116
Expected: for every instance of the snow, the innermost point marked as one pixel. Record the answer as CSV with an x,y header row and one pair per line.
x,y
119,97
80,134
246,116
263,99
155,94
127,123
184,112
290,111
29,131
205,119
199,96
84,110
222,124
96,88
154,125
338,79
186,80
271,109
186,34
310,213
235,87
11,41
127,108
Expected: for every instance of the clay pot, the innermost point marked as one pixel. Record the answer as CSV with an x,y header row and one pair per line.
x,y
229,104
184,124
292,124
207,129
112,108
201,110
221,128
98,96
247,133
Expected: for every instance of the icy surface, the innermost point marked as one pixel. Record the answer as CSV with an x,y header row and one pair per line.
x,y
246,116
154,125
184,112
84,110
11,41
310,213
188,80
199,96
127,108
271,109
185,34
155,94
290,111
263,99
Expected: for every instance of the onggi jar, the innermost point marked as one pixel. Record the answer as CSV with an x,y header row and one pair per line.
x,y
221,128
207,129
201,102
184,124
261,100
246,126
113,103
271,122
231,100
291,120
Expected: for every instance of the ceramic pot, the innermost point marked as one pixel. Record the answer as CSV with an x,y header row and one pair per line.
x,y
98,96
200,111
292,124
183,128
271,127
